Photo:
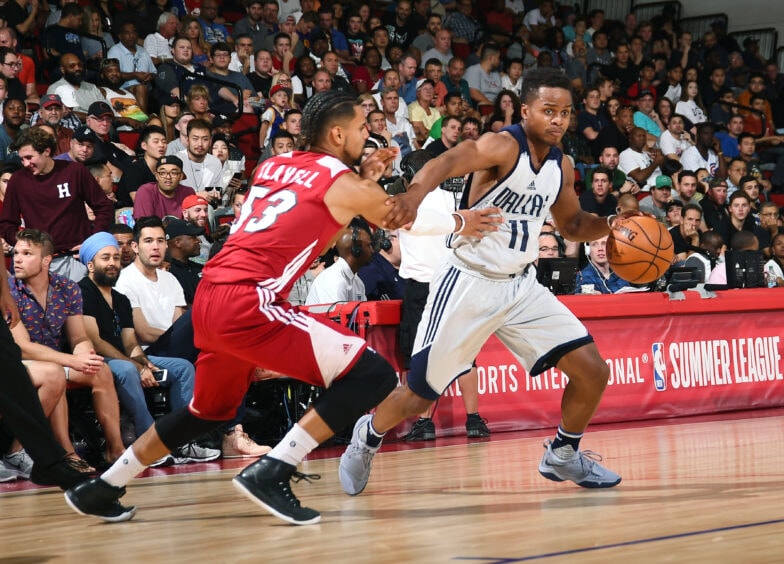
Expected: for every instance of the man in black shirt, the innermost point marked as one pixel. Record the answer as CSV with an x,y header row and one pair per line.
x,y
616,134
450,135
182,238
598,199
686,236
10,66
142,171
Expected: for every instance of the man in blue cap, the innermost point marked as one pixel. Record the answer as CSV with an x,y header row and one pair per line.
x,y
108,319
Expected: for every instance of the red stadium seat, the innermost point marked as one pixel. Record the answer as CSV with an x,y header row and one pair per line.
x,y
129,138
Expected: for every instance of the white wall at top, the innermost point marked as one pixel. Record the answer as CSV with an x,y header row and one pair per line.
x,y
743,14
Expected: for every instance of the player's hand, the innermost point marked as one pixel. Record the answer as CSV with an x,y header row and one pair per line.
x,y
403,209
614,220
479,223
374,166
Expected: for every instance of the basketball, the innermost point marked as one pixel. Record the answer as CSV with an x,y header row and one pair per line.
x,y
640,249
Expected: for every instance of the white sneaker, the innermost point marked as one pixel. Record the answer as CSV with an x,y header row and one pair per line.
x,y
583,469
355,464
6,475
19,463
194,453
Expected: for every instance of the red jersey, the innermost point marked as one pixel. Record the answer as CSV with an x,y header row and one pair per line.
x,y
284,224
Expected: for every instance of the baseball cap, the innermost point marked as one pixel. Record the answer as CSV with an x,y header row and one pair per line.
x,y
51,100
193,200
177,227
169,160
98,109
220,119
279,88
663,181
644,92
422,81
84,133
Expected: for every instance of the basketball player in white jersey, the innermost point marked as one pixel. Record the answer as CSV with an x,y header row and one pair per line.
x,y
488,286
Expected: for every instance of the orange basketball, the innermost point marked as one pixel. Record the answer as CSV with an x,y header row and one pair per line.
x,y
640,249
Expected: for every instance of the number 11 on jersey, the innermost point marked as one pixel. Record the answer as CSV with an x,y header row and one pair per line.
x,y
523,229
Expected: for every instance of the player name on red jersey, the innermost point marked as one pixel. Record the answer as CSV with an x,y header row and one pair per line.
x,y
286,174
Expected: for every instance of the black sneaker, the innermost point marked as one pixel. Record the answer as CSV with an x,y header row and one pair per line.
x,y
422,430
476,428
266,483
99,499
62,473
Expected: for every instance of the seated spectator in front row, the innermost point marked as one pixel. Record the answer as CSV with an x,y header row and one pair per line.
x,y
123,234
741,241
597,277
705,258
776,262
673,213
182,240
50,308
655,203
686,236
638,162
598,199
164,196
109,323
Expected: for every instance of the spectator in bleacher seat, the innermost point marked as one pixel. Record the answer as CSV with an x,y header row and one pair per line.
x,y
119,156
220,56
128,111
576,64
401,27
672,87
75,92
591,120
336,40
261,77
123,234
685,55
714,205
142,15
152,142
61,38
599,56
776,262
599,199
356,38
400,128
322,81
639,162
705,257
655,202
470,129
464,27
331,63
10,67
737,73
769,218
686,235
596,18
483,78
450,136
137,69
675,140
454,81
752,57
646,117
690,104
442,46
45,328
13,113
183,240
241,60
214,32
26,74
620,184
407,69
706,152
740,219
82,146
302,80
671,168
108,320
747,147
368,72
255,25
182,71
381,276
736,170
598,277
711,91
282,56
686,187
712,54
421,112
621,71
233,162
157,44
615,134
645,81
576,147
195,210
17,16
201,170
506,111
340,282
673,211
730,139
60,213
164,196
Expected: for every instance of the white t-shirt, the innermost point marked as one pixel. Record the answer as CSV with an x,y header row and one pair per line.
x,y
336,284
489,84
776,268
691,111
157,300
200,175
691,159
670,145
630,160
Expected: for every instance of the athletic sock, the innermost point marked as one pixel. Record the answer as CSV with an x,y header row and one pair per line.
x,y
473,416
566,444
125,469
294,447
372,437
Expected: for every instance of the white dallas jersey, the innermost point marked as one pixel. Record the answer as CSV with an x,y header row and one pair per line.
x,y
525,196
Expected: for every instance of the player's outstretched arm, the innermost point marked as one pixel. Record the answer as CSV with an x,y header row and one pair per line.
x,y
351,195
489,151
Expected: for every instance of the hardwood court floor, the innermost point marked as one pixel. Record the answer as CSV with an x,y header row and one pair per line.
x,y
696,490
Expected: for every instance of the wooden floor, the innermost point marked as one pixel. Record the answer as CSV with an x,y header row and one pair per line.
x,y
693,490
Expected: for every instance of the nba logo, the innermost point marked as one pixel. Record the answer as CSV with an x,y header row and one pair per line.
x,y
659,368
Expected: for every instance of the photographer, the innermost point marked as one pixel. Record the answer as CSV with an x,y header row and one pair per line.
x,y
381,277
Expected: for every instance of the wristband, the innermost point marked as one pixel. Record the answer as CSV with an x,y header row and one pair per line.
x,y
462,223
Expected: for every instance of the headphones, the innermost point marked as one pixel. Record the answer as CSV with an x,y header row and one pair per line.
x,y
356,244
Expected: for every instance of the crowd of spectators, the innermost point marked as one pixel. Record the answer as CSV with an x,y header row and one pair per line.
x,y
128,118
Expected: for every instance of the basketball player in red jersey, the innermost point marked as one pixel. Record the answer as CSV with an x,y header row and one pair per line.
x,y
296,208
